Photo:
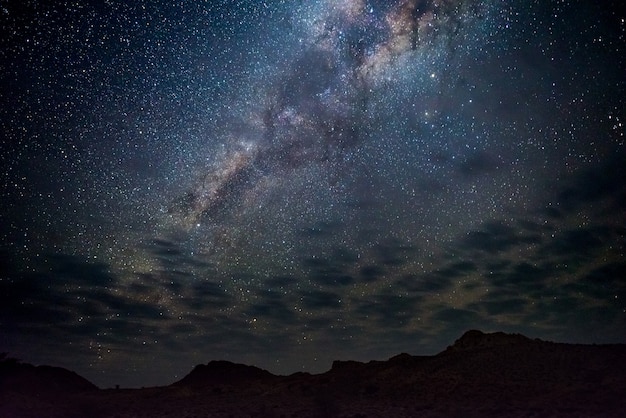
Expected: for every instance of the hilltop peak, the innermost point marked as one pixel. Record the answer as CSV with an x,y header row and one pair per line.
x,y
224,372
477,339
29,379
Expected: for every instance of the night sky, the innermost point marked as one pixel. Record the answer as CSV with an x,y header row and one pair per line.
x,y
286,183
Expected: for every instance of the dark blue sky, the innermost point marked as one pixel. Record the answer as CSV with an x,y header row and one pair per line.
x,y
285,183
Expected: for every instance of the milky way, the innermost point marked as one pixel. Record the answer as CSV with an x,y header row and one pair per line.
x,y
322,105
289,183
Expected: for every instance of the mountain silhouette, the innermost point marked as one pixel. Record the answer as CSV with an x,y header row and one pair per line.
x,y
43,391
222,372
480,374
474,339
25,378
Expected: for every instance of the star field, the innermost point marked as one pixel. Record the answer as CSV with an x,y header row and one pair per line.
x,y
286,183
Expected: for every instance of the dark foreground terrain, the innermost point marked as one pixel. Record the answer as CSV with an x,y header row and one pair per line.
x,y
480,375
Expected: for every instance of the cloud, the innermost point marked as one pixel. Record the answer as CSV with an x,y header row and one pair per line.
x,y
72,299
495,237
458,318
205,295
424,283
524,276
281,282
273,306
579,242
319,299
438,280
388,310
371,273
53,293
515,305
603,283
456,269
393,252
333,270
276,311
477,164
604,181
171,256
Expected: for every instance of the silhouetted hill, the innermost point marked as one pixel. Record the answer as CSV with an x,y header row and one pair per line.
x,y
41,391
474,339
223,372
481,374
40,380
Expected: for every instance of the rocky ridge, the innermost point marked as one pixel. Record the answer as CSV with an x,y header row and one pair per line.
x,y
481,374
